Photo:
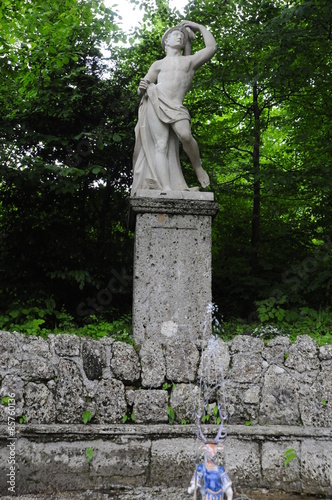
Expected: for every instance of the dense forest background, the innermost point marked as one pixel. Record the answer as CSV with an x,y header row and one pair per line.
x,y
261,112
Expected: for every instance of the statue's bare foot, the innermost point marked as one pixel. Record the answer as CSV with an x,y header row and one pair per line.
x,y
203,177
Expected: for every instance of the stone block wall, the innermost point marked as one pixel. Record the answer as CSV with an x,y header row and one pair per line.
x,y
279,396
57,379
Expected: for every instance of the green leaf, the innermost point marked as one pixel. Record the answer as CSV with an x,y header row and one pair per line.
x,y
89,454
171,415
86,416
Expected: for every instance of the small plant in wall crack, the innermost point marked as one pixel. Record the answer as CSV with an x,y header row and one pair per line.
x,y
89,454
128,417
171,414
86,416
289,455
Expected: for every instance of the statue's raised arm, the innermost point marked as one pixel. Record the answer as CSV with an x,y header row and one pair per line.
x,y
162,118
204,55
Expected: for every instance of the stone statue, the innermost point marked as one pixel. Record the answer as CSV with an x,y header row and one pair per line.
x,y
162,118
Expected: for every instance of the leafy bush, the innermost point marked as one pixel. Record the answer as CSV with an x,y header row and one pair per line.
x,y
42,318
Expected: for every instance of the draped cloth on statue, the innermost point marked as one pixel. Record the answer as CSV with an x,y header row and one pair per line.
x,y
145,174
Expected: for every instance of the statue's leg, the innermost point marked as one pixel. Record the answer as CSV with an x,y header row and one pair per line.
x,y
160,136
183,131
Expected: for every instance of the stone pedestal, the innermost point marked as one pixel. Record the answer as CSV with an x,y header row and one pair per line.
x,y
172,265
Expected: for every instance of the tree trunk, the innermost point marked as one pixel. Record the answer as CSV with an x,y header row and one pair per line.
x,y
255,223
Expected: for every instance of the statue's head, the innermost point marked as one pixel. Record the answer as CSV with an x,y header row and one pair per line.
x,y
173,32
211,450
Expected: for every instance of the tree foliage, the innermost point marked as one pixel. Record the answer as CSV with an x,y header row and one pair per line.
x,y
261,112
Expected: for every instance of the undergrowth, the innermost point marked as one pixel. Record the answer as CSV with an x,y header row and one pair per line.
x,y
273,319
43,319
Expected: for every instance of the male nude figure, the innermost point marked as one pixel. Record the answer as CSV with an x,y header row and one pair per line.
x,y
173,75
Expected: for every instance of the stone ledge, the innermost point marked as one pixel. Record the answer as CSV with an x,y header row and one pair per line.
x,y
51,456
170,206
192,194
158,431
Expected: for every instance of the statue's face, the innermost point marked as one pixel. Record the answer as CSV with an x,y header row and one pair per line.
x,y
175,39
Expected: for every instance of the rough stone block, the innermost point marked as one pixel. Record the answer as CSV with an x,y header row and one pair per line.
x,y
242,462
316,400
184,401
12,384
316,467
37,368
65,344
94,359
280,398
125,362
33,346
273,466
39,404
303,358
70,393
182,358
150,406
173,462
325,352
242,402
153,364
111,403
246,343
9,352
276,349
246,368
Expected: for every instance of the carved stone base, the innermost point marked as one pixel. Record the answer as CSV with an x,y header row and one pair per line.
x,y
172,267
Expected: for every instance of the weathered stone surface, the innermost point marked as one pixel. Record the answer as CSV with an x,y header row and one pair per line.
x,y
153,364
280,398
276,349
9,351
246,343
247,361
246,368
181,360
12,384
39,404
125,362
130,396
57,464
34,346
184,401
316,467
172,268
70,392
65,344
252,395
37,368
173,459
242,404
316,400
325,352
150,406
93,359
110,399
273,466
242,462
303,358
